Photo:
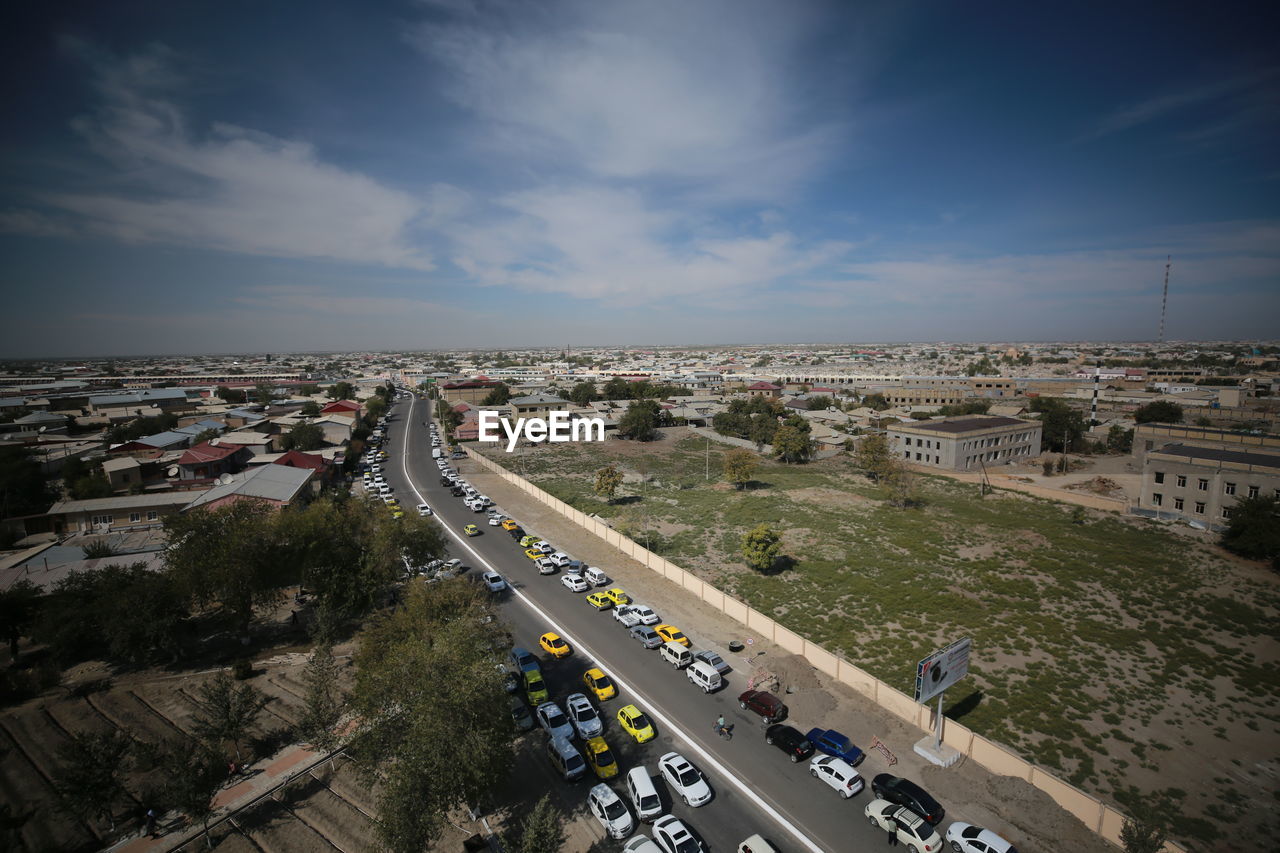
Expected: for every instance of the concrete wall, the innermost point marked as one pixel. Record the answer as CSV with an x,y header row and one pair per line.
x,y
1095,814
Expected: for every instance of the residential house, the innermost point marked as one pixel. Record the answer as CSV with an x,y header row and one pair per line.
x,y
345,408
125,512
209,460
764,389
148,445
278,485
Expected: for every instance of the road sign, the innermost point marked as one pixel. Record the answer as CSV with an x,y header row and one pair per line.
x,y
750,641
942,669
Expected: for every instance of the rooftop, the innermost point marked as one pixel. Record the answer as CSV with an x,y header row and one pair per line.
x,y
270,482
1215,454
967,424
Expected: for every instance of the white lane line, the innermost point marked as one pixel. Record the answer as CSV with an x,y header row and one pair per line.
x,y
708,759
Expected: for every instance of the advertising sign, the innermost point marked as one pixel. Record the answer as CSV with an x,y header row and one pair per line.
x,y
942,669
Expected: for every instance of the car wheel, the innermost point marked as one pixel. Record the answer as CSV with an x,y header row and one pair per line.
x,y
686,800
955,845
845,796
813,773
768,739
706,690
794,758
871,820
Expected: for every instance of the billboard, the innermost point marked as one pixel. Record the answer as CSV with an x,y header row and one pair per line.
x,y
942,669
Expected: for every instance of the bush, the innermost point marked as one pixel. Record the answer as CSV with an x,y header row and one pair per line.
x,y
242,669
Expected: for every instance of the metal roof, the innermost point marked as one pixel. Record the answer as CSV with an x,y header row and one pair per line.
x,y
968,424
1216,454
269,482
122,503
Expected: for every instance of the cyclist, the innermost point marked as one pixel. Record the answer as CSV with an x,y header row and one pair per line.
x,y
720,725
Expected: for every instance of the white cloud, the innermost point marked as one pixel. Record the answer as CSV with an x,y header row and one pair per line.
x,y
1152,109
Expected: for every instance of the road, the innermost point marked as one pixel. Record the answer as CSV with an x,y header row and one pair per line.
x,y
756,788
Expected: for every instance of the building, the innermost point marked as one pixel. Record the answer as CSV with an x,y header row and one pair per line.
x,y
1149,436
126,512
207,461
924,396
1199,483
468,391
764,389
122,472
344,408
148,445
278,485
966,443
537,405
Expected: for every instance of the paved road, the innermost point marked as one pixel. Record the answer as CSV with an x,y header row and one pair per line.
x,y
756,788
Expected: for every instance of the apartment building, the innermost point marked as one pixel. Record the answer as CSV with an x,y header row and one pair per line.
x,y
966,443
1200,483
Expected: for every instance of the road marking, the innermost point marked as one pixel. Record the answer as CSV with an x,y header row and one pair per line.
x,y
708,759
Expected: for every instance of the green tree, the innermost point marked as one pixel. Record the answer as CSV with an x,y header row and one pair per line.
x,y
192,776
263,394
303,437
19,605
739,466
760,547
1062,426
1141,836
608,479
640,420
323,702
22,486
308,390
820,403
90,777
541,831
791,443
873,454
1161,411
616,388
234,396
1253,530
876,402
342,391
584,393
95,485
431,750
1119,439
310,409
499,396
374,408
761,429
205,435
226,710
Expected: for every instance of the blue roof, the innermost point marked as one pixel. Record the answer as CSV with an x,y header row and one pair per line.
x,y
164,439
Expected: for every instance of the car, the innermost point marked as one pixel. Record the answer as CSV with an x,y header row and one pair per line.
x,y
546,548
509,525
554,645
551,718
524,659
546,567
713,660
510,680
595,576
456,491
837,773
529,541
684,779
967,838
520,714
573,567
516,533
610,810
423,509
645,614
763,703
618,596
600,757
909,828
585,718
671,634
562,559
533,553
471,530
789,740
904,792
641,844
446,482
624,613
493,581
674,837
397,513
635,723
599,601
599,684
573,583
831,742
494,521
646,636
535,687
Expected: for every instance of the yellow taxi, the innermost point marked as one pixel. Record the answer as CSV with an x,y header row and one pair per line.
x,y
533,553
471,530
672,634
554,645
509,525
635,723
600,757
529,541
617,595
599,601
599,683
397,514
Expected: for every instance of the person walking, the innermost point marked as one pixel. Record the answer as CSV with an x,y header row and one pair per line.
x,y
151,823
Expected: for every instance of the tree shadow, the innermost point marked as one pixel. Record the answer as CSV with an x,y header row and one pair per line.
x,y
784,563
957,710
625,500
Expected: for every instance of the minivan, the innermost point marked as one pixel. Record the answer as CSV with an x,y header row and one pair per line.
x,y
596,577
566,758
704,675
644,796
675,654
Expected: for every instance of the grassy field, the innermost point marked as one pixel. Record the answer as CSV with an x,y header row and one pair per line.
x,y
1132,660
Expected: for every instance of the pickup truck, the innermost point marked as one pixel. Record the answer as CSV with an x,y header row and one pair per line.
x,y
626,614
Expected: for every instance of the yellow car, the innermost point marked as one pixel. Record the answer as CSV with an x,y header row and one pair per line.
x,y
509,525
397,514
533,553
471,530
600,757
554,645
599,601
635,723
528,542
617,596
671,634
535,688
599,683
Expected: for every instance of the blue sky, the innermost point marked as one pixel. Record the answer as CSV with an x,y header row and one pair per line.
x,y
240,176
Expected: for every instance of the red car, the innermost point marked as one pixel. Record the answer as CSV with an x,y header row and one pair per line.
x,y
763,703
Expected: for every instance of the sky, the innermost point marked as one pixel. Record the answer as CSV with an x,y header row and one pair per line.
x,y
237,176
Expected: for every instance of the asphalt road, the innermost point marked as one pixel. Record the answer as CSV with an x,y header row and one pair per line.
x,y
756,788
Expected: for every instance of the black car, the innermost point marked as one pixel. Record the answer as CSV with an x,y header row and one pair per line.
x,y
789,740
517,533
456,491
904,792
446,482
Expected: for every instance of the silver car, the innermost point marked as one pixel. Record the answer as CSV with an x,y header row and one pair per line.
x,y
647,636
585,718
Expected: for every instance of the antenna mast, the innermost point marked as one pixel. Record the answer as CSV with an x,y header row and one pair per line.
x,y
1164,301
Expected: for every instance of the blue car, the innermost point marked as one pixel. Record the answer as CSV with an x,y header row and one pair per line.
x,y
831,742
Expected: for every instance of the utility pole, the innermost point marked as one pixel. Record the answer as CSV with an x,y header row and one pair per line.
x,y
707,458
1164,302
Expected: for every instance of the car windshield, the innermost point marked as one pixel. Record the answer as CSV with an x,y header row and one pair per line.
x,y
640,721
585,713
555,719
604,757
603,682
614,810
687,777
650,802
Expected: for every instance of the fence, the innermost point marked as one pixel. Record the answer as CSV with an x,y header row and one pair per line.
x,y
1098,816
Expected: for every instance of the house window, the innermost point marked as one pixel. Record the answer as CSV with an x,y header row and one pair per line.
x,y
1159,477
1228,488
1202,485
1182,481
1199,507
153,515
135,517
1157,499
1177,504
1253,491
1226,511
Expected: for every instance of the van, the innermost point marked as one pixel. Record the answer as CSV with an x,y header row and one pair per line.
x,y
675,654
704,675
436,454
565,758
595,577
644,796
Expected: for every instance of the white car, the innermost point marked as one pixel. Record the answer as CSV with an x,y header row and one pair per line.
x,y
645,614
562,559
546,567
423,509
674,837
684,779
495,520
554,721
641,844
837,773
585,718
967,838
911,829
494,582
574,583
545,547
611,811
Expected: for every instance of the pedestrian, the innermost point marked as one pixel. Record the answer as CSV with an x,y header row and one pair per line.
x,y
151,823
893,837
293,617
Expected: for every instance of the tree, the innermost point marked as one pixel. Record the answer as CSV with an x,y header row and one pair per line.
x,y
263,393
873,454
323,702
898,481
762,429
820,403
19,604
541,831
584,393
94,485
192,776
608,479
205,435
1062,426
234,396
226,710
1253,530
876,402
499,396
1141,836
739,466
303,437
616,388
90,779
640,420
791,443
310,409
1119,439
141,612
760,547
22,486
308,389
374,408
1161,411
342,391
